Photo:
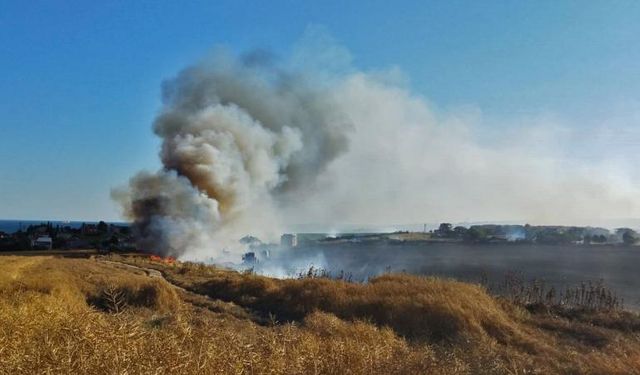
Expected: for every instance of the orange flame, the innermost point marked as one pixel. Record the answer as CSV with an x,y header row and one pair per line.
x,y
159,259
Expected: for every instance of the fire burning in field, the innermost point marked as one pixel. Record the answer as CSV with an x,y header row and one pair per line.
x,y
165,260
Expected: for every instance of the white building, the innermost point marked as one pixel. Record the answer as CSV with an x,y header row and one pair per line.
x,y
288,240
42,242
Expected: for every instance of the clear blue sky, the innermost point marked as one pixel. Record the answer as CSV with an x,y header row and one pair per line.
x,y
79,82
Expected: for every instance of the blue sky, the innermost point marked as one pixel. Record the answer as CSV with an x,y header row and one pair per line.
x,y
80,80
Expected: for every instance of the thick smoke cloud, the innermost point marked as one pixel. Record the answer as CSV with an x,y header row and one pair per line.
x,y
235,135
250,147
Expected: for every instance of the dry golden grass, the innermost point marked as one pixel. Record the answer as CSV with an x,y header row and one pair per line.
x,y
54,320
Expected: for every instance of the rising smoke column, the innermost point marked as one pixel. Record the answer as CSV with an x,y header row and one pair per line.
x,y
235,135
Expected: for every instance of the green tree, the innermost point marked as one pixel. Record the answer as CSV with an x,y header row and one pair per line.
x,y
460,231
102,227
445,230
629,237
476,234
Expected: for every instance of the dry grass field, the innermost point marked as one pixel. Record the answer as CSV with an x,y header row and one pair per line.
x,y
98,316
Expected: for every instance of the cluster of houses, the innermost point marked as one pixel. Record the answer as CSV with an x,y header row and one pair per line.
x,y
496,234
542,234
47,236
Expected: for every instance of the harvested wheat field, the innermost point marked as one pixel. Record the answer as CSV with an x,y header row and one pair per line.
x,y
101,316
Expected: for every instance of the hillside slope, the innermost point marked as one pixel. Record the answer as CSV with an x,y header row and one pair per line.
x,y
92,316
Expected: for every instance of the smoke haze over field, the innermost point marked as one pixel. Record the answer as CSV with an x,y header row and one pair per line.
x,y
254,147
408,163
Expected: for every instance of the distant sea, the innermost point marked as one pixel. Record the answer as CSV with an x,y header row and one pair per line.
x,y
12,226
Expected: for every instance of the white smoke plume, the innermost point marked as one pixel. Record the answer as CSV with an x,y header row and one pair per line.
x,y
249,147
409,163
